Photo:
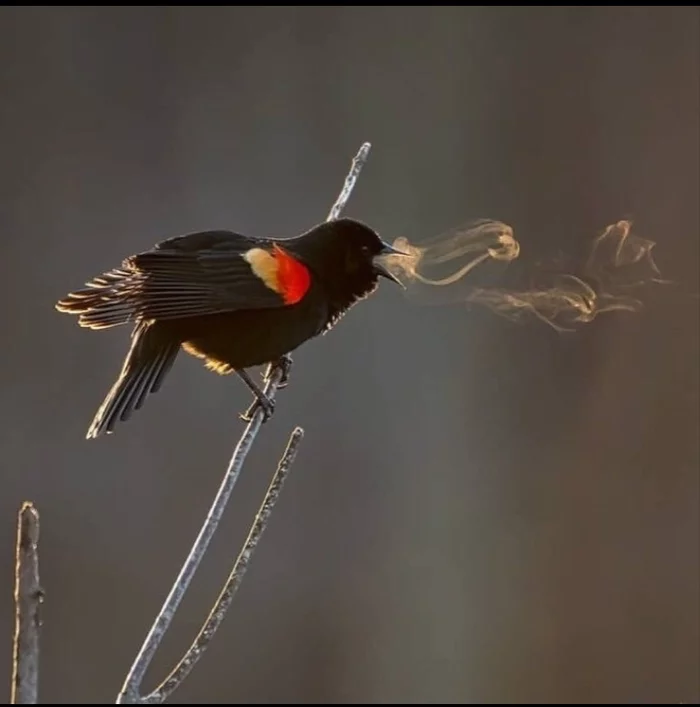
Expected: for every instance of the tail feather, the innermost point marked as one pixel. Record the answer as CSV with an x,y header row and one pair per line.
x,y
150,357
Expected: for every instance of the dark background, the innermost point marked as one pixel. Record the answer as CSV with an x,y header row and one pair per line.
x,y
480,511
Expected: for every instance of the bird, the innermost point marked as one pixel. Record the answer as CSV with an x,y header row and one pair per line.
x,y
230,300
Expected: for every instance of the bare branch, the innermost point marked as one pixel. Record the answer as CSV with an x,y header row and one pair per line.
x,y
218,612
131,690
28,598
357,164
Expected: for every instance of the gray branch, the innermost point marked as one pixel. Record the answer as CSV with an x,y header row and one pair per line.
x,y
28,599
218,612
130,693
131,690
357,164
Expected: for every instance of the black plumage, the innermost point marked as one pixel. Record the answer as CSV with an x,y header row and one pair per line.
x,y
232,300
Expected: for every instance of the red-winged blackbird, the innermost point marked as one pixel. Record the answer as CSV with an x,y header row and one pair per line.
x,y
232,300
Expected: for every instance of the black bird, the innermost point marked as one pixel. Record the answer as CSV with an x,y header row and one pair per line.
x,y
232,300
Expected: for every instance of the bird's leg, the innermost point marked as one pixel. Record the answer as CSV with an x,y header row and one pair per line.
x,y
261,399
283,364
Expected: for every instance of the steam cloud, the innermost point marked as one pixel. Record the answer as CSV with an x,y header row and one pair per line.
x,y
617,262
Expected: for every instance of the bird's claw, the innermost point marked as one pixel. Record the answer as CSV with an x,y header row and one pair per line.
x,y
262,401
283,364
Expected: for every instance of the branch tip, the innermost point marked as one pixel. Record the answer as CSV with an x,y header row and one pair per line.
x,y
28,597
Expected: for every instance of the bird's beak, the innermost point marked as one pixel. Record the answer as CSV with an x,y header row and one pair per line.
x,y
380,262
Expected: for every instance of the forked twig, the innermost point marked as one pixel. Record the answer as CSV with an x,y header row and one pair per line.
x,y
28,598
218,611
131,690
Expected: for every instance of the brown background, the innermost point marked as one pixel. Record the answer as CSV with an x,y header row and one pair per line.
x,y
480,511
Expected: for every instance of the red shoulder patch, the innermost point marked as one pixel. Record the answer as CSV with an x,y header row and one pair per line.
x,y
293,277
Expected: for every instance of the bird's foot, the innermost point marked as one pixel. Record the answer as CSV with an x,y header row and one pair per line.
x,y
283,364
261,401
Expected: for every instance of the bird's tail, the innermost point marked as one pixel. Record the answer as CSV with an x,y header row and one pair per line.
x,y
106,301
151,356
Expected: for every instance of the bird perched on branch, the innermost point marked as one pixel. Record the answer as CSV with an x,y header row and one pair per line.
x,y
232,300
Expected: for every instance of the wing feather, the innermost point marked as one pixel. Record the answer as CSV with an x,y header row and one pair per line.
x,y
192,275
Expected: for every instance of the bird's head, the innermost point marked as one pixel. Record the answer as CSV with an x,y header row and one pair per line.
x,y
346,256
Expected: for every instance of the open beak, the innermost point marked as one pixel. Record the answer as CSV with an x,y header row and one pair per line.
x,y
380,266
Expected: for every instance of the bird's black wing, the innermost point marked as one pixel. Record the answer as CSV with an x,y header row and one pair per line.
x,y
191,275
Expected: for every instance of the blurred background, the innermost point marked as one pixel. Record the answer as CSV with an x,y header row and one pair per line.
x,y
481,511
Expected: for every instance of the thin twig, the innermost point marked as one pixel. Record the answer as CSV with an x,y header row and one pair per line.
x,y
131,690
28,598
357,164
218,612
